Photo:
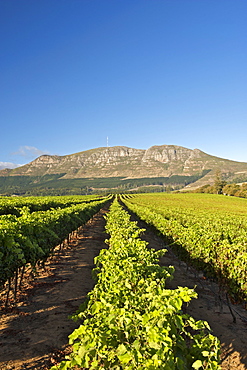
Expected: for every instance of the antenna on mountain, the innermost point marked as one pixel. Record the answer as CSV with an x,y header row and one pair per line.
x,y
107,141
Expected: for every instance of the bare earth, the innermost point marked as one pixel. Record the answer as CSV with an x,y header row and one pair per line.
x,y
34,334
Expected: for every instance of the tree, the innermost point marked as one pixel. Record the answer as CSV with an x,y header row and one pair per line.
x,y
219,183
231,189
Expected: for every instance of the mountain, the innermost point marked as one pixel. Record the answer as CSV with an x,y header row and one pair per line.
x,y
122,163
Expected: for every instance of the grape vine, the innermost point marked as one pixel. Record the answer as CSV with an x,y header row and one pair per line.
x,y
130,320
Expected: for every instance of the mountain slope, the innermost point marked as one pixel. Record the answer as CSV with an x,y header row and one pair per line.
x,y
162,161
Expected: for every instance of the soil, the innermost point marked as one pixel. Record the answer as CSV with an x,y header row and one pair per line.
x,y
34,332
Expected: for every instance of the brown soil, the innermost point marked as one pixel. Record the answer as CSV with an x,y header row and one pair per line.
x,y
34,333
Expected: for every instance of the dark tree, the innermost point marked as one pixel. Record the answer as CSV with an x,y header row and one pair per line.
x,y
219,183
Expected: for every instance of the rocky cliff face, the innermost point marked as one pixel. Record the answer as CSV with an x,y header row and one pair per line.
x,y
157,161
167,153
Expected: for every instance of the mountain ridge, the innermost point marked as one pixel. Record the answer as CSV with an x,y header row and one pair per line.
x,y
158,161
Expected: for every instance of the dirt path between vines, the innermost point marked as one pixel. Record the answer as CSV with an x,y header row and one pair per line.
x,y
34,335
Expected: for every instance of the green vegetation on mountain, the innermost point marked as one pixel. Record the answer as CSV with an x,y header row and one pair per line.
x,y
51,185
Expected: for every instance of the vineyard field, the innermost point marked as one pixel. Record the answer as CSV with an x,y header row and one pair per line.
x,y
147,309
29,238
208,231
131,320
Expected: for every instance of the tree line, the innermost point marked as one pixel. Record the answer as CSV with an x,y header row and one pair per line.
x,y
220,186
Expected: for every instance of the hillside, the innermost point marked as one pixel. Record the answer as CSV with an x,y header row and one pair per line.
x,y
113,166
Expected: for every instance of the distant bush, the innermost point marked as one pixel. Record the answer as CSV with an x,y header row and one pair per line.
x,y
233,190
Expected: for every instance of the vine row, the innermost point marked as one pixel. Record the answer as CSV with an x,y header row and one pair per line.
x,y
31,238
209,233
130,320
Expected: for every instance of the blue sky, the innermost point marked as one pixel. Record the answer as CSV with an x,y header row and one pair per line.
x,y
140,72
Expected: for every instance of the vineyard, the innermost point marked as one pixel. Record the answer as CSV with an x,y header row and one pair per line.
x,y
31,229
207,231
131,319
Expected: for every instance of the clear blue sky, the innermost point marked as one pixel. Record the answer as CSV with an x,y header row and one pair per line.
x,y
142,72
